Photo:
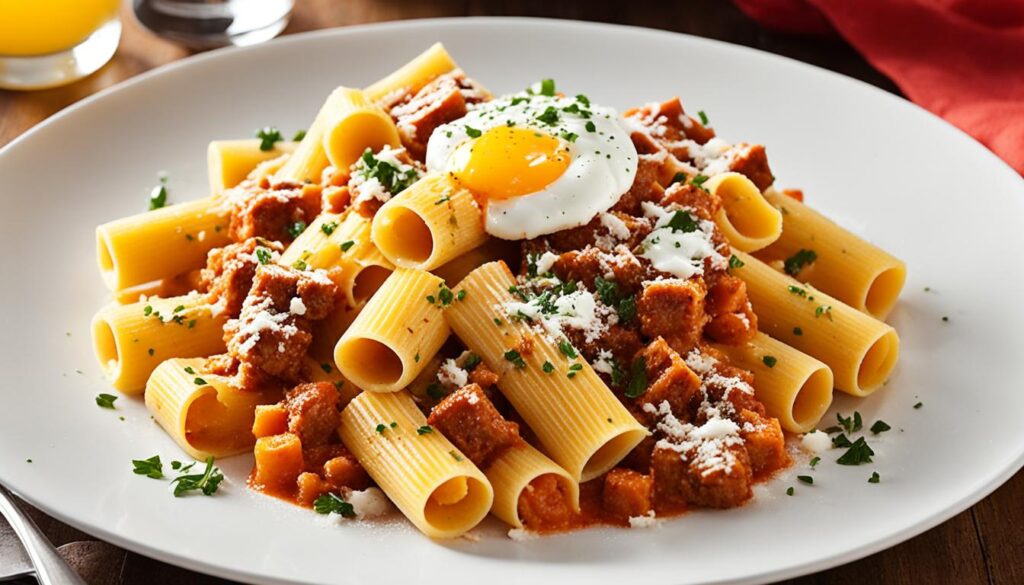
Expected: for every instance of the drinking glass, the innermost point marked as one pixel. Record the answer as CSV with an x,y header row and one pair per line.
x,y
45,43
204,24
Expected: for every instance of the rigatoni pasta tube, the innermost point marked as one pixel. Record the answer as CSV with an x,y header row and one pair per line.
x,y
352,125
860,350
202,412
513,471
228,162
131,340
340,244
437,487
428,224
412,76
794,387
847,267
746,218
133,250
578,420
396,333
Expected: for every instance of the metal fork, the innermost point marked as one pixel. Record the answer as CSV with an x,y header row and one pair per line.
x,y
50,567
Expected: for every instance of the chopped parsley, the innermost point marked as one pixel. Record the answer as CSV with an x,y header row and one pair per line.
x,y
682,222
547,87
189,370
296,228
473,132
326,368
435,391
735,262
206,482
106,400
798,261
299,135
346,245
151,467
796,290
549,116
851,424
455,455
268,135
199,381
857,454
919,405
392,178
472,360
678,178
875,478
517,359
331,503
841,441
798,331
806,479
790,491
608,291
329,227
823,310
769,360
590,126
424,430
637,378
158,197
703,117
814,461
567,349
879,427
548,367
263,255
573,370
699,180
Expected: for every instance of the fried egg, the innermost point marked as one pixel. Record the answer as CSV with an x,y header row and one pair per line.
x,y
537,164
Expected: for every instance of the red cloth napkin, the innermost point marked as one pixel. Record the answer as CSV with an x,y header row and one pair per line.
x,y
961,59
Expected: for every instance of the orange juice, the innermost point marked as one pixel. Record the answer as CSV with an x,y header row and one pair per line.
x,y
39,27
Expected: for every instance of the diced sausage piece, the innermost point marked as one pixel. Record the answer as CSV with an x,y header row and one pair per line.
x,y
544,504
668,123
669,380
272,332
733,320
719,481
482,376
646,185
313,412
765,442
316,457
345,471
271,213
674,309
441,101
704,203
585,266
751,160
469,420
627,493
230,270
311,486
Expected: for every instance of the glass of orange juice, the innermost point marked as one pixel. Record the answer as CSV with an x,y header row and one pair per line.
x,y
45,43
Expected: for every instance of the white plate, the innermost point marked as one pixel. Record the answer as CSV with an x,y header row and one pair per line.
x,y
885,168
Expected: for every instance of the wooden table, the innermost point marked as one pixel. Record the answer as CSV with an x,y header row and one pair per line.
x,y
984,545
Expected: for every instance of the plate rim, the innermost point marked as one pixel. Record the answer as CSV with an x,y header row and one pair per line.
x,y
968,500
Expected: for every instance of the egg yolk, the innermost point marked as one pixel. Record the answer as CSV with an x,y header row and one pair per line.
x,y
507,162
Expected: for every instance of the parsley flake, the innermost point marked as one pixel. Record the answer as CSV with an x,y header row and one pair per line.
x,y
331,503
151,467
517,359
798,261
424,430
106,400
206,482
637,378
268,135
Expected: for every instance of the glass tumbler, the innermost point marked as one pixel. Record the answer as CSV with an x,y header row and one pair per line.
x,y
205,24
45,43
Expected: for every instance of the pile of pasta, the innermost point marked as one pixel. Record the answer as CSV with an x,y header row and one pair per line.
x,y
291,315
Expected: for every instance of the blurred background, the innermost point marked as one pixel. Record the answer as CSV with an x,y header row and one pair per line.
x,y
962,59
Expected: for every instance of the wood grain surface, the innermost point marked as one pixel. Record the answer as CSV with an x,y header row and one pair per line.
x,y
983,545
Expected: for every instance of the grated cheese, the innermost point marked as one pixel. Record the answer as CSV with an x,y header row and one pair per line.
x,y
816,441
452,374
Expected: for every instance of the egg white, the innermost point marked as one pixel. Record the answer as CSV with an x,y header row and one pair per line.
x,y
603,162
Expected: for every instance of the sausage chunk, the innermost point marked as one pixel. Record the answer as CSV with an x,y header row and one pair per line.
x,y
471,422
627,493
313,413
230,270
674,309
272,332
710,475
669,380
441,101
272,213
